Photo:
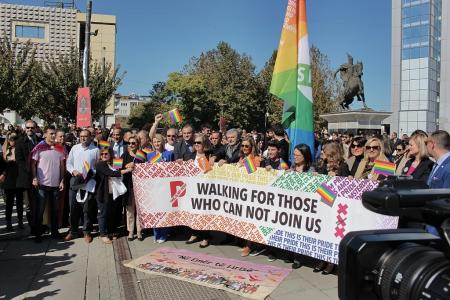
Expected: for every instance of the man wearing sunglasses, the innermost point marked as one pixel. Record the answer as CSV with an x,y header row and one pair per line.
x,y
24,146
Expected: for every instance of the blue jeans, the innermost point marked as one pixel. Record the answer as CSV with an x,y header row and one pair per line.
x,y
42,194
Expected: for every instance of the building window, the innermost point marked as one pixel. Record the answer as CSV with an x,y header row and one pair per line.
x,y
33,32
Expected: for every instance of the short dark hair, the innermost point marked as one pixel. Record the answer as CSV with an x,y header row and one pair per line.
x,y
278,129
442,138
50,127
273,143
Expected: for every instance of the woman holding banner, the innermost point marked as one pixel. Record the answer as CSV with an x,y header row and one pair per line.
x,y
130,158
200,156
248,149
158,142
334,165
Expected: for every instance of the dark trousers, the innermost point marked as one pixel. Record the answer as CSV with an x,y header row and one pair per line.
x,y
10,195
86,209
44,193
106,216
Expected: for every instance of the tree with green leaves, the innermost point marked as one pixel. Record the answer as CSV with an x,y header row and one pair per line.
x,y
59,79
17,73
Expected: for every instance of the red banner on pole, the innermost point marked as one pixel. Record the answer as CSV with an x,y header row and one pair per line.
x,y
84,108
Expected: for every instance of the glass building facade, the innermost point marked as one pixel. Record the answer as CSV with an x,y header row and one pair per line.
x,y
420,57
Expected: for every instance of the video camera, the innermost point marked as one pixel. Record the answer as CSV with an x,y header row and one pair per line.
x,y
406,263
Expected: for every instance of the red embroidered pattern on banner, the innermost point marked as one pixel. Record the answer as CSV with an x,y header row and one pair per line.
x,y
164,169
241,229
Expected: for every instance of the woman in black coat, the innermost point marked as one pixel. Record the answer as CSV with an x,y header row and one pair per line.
x,y
419,165
104,194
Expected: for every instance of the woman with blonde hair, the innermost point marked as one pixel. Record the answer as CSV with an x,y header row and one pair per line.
x,y
419,164
374,150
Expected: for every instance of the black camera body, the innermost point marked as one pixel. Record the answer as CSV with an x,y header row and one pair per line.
x,y
406,263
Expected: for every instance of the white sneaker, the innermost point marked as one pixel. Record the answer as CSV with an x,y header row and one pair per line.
x,y
160,241
258,252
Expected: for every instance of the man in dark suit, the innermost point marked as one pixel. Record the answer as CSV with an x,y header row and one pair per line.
x,y
438,145
229,154
23,149
118,146
183,149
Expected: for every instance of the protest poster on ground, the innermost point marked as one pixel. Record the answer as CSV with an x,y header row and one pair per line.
x,y
300,212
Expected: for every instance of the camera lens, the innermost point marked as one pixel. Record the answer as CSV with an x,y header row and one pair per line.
x,y
413,271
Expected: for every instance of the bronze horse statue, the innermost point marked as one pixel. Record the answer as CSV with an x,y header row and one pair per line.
x,y
353,85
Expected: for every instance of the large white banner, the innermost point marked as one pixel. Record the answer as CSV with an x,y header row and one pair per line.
x,y
302,213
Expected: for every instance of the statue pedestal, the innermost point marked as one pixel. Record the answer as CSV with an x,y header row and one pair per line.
x,y
356,121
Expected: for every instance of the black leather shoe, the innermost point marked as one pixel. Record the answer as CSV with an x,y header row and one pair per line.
x,y
296,264
329,269
320,267
188,242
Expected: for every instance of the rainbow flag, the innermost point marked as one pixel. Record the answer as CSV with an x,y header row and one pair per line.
x,y
154,157
291,80
385,168
140,155
249,165
327,194
146,150
175,116
86,169
104,144
117,163
283,165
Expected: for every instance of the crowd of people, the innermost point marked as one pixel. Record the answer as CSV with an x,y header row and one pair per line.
x,y
63,177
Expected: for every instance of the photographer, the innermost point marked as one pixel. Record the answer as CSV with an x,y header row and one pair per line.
x,y
438,146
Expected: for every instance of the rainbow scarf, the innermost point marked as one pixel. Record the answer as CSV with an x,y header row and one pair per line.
x,y
175,116
249,165
117,163
385,168
291,80
154,157
104,144
327,194
140,155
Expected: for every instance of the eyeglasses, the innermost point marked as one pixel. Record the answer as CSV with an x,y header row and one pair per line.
x,y
356,146
197,143
399,149
104,154
372,147
246,146
29,127
169,135
132,143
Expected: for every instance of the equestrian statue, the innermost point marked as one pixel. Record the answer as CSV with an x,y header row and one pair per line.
x,y
353,86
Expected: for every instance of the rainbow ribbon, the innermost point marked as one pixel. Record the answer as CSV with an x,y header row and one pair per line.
x,y
249,165
327,194
117,163
385,168
104,144
140,155
154,157
86,169
175,116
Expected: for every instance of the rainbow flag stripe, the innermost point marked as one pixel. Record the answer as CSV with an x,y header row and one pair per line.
x,y
104,144
385,168
154,157
175,116
283,165
117,163
249,165
328,196
140,155
291,80
86,166
146,150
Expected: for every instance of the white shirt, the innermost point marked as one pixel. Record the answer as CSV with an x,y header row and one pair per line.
x,y
78,155
169,147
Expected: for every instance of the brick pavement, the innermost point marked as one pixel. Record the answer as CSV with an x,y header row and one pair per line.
x,y
74,270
